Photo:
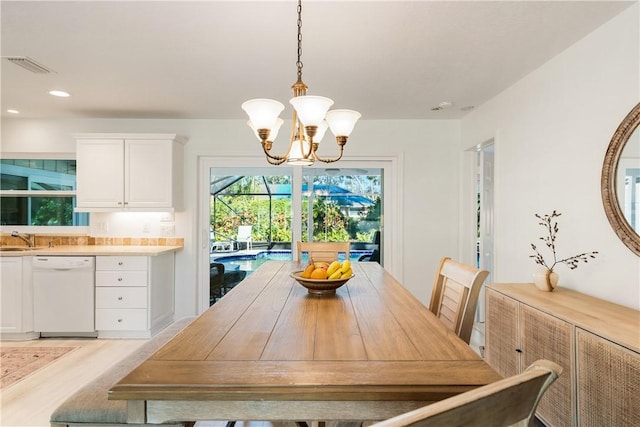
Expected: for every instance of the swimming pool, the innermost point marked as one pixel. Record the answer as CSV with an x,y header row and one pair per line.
x,y
250,262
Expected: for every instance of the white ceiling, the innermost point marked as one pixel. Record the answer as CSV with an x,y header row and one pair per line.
x,y
202,59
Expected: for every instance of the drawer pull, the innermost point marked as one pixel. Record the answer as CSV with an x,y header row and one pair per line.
x,y
119,279
120,262
119,298
119,320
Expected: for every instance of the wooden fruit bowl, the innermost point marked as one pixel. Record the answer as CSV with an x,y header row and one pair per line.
x,y
320,287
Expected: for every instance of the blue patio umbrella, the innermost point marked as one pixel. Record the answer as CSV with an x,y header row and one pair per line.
x,y
341,196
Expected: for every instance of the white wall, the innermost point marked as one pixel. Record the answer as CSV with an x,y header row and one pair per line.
x,y
428,149
552,130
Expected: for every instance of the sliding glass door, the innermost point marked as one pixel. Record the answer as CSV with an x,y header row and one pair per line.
x,y
337,205
253,210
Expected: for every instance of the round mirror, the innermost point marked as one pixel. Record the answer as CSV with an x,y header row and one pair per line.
x,y
621,181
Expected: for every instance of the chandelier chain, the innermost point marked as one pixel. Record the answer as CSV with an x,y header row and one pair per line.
x,y
299,62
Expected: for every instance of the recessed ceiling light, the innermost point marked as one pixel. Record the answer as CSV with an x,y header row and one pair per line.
x,y
11,111
59,93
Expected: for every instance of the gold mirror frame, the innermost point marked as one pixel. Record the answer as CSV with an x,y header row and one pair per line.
x,y
608,183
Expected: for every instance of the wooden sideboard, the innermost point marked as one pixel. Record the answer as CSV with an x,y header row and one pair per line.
x,y
596,342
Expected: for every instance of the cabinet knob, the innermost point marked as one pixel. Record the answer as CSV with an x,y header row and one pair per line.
x,y
119,279
518,350
119,320
120,262
119,298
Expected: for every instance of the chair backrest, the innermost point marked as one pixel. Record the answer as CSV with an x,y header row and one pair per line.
x,y
323,251
455,296
244,233
508,402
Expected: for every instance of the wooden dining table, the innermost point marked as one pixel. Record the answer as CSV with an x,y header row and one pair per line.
x,y
269,350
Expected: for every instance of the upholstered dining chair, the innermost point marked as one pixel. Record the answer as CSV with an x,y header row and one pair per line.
x,y
323,251
454,297
511,401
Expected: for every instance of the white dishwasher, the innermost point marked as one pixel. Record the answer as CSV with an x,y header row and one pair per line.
x,y
64,295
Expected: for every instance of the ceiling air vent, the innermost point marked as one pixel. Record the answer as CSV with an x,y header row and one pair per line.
x,y
29,64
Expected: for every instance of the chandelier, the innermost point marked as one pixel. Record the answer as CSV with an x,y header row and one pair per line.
x,y
311,118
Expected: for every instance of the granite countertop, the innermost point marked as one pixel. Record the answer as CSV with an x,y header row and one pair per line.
x,y
91,250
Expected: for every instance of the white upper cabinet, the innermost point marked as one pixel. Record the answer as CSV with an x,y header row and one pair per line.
x,y
135,172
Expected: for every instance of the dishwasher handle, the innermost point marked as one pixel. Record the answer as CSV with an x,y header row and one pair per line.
x,y
64,263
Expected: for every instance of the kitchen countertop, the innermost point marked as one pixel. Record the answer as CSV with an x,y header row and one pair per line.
x,y
92,250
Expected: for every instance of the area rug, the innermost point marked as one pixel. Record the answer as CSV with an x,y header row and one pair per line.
x,y
18,363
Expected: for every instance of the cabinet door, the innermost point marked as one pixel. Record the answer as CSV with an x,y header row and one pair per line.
x,y
501,333
100,173
608,383
11,294
547,337
148,171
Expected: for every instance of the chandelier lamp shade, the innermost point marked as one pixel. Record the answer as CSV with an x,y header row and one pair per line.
x,y
311,118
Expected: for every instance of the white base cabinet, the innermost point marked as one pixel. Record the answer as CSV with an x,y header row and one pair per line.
x,y
596,342
134,295
16,299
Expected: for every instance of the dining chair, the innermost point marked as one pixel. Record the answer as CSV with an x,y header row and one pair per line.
x,y
511,401
323,251
454,297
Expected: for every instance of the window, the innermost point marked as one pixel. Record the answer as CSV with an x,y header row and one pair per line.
x,y
39,192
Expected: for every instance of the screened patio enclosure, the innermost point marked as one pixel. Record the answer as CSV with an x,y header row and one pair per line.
x,y
335,207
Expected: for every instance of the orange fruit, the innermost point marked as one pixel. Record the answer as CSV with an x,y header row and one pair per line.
x,y
319,273
307,271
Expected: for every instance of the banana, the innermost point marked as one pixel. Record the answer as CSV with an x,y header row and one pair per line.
x,y
346,265
336,275
335,266
346,274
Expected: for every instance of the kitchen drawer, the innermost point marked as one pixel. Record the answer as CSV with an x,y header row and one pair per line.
x,y
121,297
121,319
121,278
119,263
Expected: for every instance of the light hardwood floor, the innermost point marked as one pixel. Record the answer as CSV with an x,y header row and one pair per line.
x,y
30,402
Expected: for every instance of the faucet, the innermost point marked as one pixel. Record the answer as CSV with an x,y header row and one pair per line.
x,y
29,239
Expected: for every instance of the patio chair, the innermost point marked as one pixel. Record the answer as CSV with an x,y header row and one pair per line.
x,y
216,245
454,297
375,255
323,251
508,402
222,281
244,235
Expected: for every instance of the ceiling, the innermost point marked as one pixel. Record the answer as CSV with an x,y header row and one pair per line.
x,y
202,59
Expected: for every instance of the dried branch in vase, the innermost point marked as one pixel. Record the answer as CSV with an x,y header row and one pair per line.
x,y
551,226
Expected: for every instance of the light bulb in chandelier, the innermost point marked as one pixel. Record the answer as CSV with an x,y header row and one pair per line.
x,y
297,153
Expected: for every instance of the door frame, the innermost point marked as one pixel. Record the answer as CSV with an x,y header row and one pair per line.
x,y
391,223
472,172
